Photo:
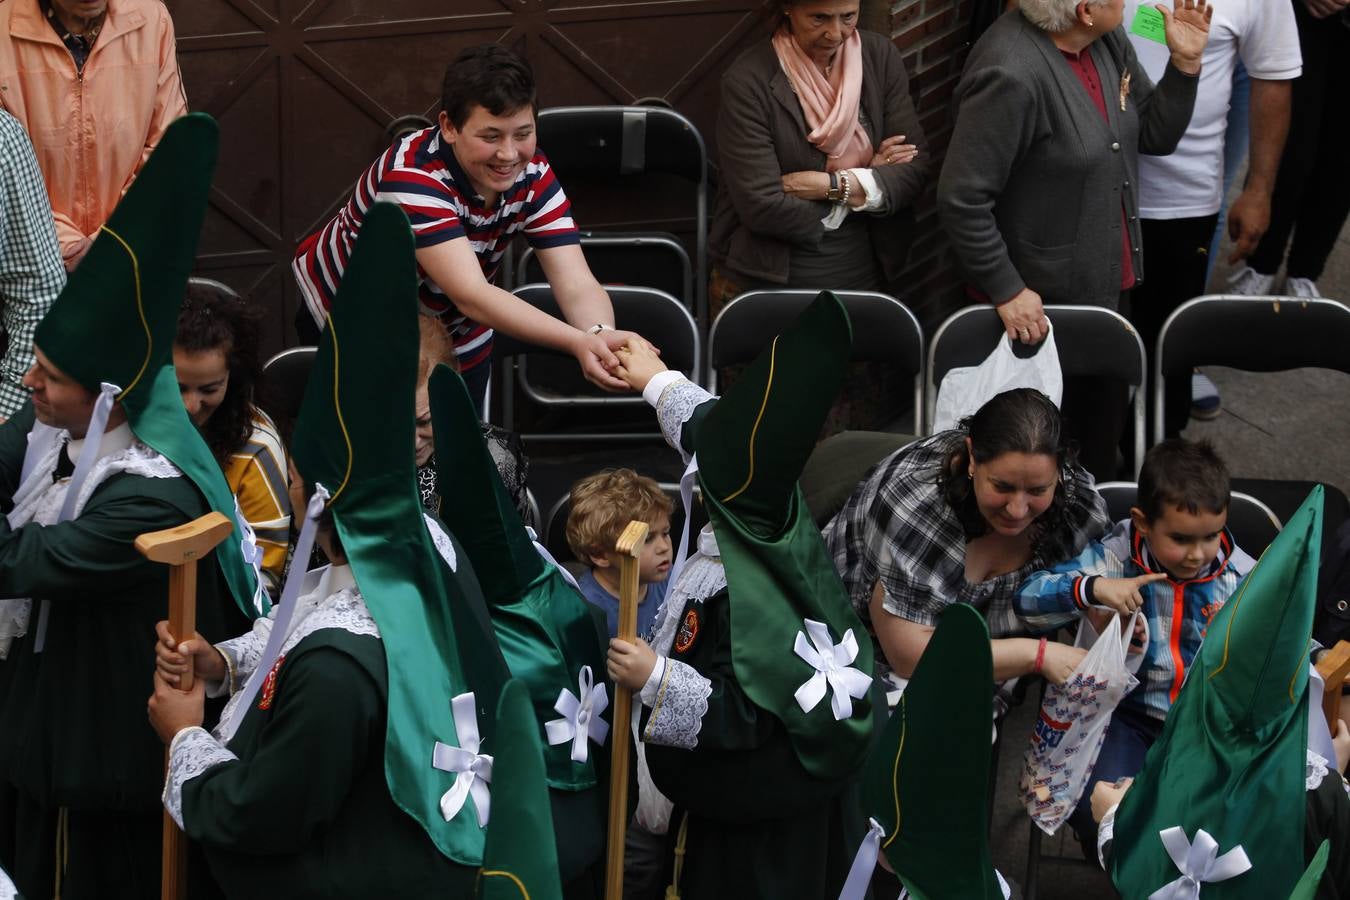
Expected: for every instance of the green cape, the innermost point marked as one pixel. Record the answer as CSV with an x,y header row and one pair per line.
x,y
927,781
354,435
751,446
116,318
545,629
521,857
1232,755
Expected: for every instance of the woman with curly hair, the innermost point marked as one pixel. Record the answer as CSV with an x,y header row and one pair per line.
x,y
964,516
215,354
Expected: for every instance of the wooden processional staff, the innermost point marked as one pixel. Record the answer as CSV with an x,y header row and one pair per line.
x,y
629,548
180,548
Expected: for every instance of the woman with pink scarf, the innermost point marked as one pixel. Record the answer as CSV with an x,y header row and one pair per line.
x,y
822,158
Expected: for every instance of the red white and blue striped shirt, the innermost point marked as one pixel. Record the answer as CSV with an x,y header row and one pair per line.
x,y
420,173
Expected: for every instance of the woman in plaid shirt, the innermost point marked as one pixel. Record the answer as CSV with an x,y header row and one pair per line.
x,y
964,516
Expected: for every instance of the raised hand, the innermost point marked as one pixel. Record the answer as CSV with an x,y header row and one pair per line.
x,y
1186,26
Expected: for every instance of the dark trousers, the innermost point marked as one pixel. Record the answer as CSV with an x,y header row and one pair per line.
x,y
1128,737
104,855
1176,256
1312,190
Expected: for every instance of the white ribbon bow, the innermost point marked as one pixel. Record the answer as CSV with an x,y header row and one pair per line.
x,y
580,716
864,861
548,558
831,662
253,557
473,770
1199,863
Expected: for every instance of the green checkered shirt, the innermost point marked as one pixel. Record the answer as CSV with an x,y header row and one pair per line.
x,y
31,271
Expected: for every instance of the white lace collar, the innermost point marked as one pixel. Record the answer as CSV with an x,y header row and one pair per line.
x,y
114,441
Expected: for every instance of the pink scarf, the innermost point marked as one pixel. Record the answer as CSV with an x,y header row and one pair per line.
x,y
830,106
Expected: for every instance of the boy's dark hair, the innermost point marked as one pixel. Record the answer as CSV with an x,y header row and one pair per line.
x,y
1182,474
212,319
490,76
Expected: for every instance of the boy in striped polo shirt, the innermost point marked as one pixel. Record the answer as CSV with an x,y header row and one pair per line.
x,y
468,184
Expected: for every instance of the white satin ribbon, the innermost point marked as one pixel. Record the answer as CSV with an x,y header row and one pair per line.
x,y
253,556
548,558
686,503
472,770
93,443
864,861
831,662
580,716
1199,863
290,593
41,438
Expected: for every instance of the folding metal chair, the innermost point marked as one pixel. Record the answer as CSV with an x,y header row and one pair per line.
x,y
282,385
550,378
884,330
1092,341
1253,524
621,143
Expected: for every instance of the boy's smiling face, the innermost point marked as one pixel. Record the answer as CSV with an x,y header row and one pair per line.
x,y
1183,542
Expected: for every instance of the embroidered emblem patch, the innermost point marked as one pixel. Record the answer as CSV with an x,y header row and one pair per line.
x,y
688,633
269,685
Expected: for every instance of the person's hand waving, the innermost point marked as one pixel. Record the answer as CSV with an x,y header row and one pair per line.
x,y
1187,28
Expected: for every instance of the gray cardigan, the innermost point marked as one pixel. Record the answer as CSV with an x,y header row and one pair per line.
x,y
761,136
1031,192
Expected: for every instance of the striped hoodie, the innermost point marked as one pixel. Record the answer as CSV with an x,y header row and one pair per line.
x,y
1178,612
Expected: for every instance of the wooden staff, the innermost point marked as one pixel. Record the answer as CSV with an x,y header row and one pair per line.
x,y
1334,668
180,548
629,548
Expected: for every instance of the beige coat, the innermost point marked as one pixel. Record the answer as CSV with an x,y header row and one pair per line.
x,y
91,131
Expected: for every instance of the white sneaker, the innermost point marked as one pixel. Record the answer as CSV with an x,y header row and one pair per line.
x,y
1300,287
1246,280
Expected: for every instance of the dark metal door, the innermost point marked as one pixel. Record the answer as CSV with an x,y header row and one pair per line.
x,y
305,89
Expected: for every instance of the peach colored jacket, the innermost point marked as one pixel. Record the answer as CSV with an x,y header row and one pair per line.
x,y
92,131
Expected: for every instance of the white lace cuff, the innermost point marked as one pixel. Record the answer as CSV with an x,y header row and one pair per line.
x,y
657,386
1105,832
191,753
653,685
681,703
1315,770
675,405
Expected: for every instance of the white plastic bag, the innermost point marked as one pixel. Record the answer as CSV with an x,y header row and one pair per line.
x,y
965,389
1072,723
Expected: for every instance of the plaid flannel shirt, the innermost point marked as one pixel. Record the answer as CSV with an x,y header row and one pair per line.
x,y
899,528
1178,612
31,271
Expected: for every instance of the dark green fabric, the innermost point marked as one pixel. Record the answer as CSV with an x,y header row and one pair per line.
x,y
760,824
73,730
116,317
927,781
520,859
752,445
1231,757
545,630
305,812
354,435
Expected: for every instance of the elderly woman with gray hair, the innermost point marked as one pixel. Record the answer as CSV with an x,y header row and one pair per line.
x,y
1038,191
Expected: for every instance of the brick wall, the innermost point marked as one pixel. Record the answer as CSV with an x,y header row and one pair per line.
x,y
933,38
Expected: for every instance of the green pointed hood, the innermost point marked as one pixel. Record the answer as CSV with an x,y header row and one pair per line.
x,y
114,322
354,435
521,857
927,780
1231,757
751,446
546,631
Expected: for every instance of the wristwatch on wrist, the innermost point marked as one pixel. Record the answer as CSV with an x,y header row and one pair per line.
x,y
599,327
834,194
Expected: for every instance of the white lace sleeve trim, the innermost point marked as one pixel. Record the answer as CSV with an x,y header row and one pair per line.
x,y
676,407
344,610
681,703
242,653
1315,770
701,578
7,889
192,752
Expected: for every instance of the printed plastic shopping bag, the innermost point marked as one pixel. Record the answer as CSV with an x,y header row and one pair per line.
x,y
965,389
1072,723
